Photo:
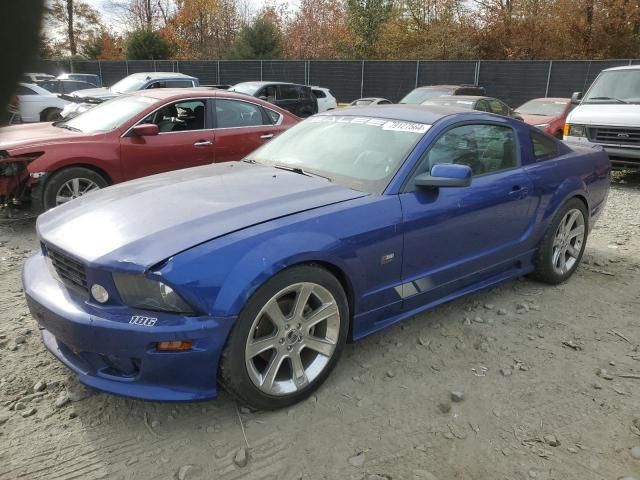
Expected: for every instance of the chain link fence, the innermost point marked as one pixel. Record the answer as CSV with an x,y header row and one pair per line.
x,y
512,81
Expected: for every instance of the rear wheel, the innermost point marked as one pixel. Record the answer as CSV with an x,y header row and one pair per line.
x,y
50,115
69,184
563,245
287,338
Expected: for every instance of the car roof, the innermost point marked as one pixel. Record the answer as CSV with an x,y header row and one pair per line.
x,y
427,87
626,67
261,83
473,98
156,75
550,99
369,98
427,114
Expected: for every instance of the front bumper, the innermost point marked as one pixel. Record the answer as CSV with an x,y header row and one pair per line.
x,y
110,354
620,155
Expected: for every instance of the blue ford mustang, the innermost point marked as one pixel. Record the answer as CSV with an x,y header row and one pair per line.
x,y
253,275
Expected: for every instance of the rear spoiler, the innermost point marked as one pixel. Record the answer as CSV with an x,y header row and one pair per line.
x,y
74,99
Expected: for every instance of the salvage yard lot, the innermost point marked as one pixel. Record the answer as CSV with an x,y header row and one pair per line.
x,y
525,356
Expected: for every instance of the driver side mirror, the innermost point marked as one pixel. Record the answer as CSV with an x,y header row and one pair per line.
x,y
445,175
145,130
576,97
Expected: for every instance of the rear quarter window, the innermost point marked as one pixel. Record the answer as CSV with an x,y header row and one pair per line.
x,y
544,147
319,93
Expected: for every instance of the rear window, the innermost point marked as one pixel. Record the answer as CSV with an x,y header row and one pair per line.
x,y
419,95
319,94
178,84
22,90
543,146
289,92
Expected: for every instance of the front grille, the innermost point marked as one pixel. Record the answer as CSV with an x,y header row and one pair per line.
x,y
70,270
615,135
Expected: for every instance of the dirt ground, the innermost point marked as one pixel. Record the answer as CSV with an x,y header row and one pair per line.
x,y
526,358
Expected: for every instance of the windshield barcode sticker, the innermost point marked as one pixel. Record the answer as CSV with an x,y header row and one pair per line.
x,y
398,126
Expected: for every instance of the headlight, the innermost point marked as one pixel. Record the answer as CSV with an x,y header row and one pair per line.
x,y
575,130
542,126
140,292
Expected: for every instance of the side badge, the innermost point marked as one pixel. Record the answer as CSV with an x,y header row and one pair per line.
x,y
387,258
143,321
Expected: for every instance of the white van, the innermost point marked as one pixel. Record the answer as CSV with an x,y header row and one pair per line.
x,y
609,115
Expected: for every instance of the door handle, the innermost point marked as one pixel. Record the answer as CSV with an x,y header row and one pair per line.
x,y
267,136
203,143
519,192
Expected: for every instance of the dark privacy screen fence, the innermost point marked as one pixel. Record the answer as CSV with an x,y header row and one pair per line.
x,y
512,81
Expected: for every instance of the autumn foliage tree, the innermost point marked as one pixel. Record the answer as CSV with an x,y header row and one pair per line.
x,y
74,23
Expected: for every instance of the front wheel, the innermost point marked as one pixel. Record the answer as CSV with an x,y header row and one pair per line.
x,y
562,247
71,183
287,338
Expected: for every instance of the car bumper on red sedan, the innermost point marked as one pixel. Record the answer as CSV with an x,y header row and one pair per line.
x,y
110,354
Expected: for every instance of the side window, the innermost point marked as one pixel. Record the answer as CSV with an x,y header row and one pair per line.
x,y
482,106
178,84
24,91
543,146
498,107
288,92
237,114
274,117
319,94
183,116
155,85
384,102
49,86
483,147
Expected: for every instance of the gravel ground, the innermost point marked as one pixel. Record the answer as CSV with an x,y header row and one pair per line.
x,y
524,381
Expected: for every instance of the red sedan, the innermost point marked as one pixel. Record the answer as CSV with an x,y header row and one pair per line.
x,y
548,114
132,136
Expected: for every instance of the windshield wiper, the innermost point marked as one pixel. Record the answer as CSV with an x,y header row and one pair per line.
x,y
301,171
66,127
606,98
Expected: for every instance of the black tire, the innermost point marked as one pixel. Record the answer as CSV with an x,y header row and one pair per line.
x,y
51,115
544,268
233,374
59,178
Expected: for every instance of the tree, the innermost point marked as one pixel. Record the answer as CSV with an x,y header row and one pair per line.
x,y
366,18
204,28
260,40
103,47
318,30
141,14
146,44
75,23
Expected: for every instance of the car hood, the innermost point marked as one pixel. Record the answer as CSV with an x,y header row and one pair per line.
x,y
536,119
102,93
137,224
34,134
606,114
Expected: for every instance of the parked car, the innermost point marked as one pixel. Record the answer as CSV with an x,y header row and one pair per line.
x,y
132,136
83,77
298,99
83,100
369,102
36,77
468,102
609,115
253,275
420,94
548,114
219,86
326,100
38,104
64,86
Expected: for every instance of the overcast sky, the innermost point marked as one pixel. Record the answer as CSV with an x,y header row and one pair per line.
x,y
99,5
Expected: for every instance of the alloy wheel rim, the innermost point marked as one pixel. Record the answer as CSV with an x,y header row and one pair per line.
x,y
74,188
292,339
568,241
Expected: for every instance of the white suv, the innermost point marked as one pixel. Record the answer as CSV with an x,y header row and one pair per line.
x,y
326,100
609,115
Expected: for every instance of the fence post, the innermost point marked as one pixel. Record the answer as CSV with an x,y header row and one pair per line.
x,y
155,66
178,66
100,71
546,91
417,72
476,80
362,79
218,73
261,61
126,64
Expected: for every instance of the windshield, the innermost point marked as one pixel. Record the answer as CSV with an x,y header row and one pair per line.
x,y
419,95
361,153
128,84
451,102
108,115
547,108
246,88
616,86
